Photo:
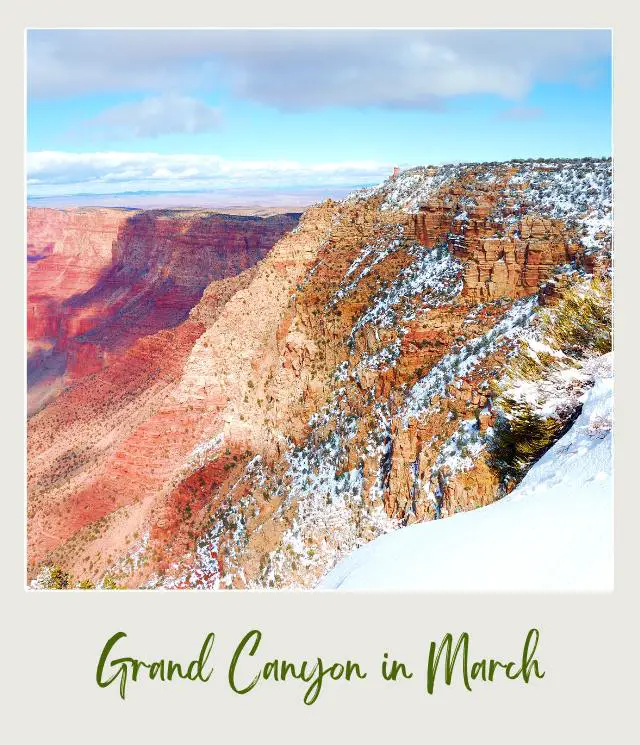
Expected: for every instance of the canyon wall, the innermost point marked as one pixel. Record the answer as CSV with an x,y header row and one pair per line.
x,y
333,391
99,279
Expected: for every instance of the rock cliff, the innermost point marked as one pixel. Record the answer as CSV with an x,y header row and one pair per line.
x,y
333,391
99,279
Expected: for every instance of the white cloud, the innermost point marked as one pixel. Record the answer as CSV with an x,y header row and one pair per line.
x,y
54,173
303,69
156,115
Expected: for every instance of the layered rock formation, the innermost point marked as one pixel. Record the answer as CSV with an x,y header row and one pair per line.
x,y
337,389
100,279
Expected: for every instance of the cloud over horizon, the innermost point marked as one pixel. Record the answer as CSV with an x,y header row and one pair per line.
x,y
186,110
54,172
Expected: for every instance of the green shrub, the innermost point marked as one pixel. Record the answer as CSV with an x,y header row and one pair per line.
x,y
523,438
579,325
581,322
58,579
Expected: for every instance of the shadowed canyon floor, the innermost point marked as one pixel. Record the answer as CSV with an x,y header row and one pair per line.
x,y
241,402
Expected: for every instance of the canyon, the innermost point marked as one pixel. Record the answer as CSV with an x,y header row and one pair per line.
x,y
100,279
230,402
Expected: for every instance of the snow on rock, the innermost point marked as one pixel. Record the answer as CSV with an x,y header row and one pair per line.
x,y
367,259
415,185
578,191
333,514
554,532
433,275
410,188
458,452
382,360
458,364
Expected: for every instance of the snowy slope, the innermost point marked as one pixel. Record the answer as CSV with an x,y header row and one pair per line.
x,y
553,532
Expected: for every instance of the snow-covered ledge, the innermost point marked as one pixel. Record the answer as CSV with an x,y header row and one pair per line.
x,y
554,532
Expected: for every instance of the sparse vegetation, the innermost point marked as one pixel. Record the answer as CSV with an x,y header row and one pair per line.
x,y
581,323
579,326
108,583
56,578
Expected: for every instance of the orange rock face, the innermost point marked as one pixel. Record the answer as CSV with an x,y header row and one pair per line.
x,y
506,252
305,402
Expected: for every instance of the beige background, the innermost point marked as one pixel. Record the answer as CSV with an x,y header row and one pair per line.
x,y
51,641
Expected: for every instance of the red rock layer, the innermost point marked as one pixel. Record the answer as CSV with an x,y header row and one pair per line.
x,y
98,280
107,454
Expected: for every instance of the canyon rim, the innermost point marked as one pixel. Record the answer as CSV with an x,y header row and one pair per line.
x,y
409,386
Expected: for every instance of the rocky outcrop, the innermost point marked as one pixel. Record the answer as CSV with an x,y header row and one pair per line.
x,y
506,251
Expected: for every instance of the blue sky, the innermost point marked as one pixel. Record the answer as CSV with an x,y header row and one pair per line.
x,y
239,111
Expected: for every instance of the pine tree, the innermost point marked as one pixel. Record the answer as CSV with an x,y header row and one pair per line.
x,y
522,438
